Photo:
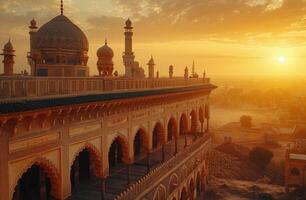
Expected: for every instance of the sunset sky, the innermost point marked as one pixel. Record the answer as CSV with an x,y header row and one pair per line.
x,y
226,37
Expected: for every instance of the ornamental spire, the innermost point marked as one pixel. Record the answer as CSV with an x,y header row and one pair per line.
x,y
62,7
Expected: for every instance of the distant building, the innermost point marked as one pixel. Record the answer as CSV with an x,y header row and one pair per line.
x,y
295,161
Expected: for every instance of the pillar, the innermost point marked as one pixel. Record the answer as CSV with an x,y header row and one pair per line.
x,y
4,155
65,165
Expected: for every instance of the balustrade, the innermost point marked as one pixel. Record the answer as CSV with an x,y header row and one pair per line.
x,y
23,87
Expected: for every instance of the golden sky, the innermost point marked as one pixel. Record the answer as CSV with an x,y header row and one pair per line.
x,y
226,37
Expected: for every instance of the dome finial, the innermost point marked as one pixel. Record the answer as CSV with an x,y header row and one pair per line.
x,y
105,41
62,7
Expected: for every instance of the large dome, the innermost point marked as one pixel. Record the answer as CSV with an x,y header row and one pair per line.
x,y
61,33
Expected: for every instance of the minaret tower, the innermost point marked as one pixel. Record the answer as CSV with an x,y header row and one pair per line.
x,y
193,70
8,61
151,65
33,29
128,55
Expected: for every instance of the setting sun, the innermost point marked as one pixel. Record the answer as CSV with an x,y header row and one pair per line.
x,y
282,59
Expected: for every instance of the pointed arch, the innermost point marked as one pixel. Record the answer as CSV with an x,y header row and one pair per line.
x,y
140,142
158,136
95,158
172,129
160,193
51,172
173,183
119,145
183,124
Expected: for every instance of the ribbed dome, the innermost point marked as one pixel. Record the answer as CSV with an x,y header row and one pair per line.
x,y
61,33
105,51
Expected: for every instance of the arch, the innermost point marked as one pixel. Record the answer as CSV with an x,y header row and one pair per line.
x,y
50,171
172,129
158,136
118,151
141,142
95,158
183,195
295,171
193,121
173,183
183,124
160,193
86,162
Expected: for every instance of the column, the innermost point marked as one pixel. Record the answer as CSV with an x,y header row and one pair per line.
x,y
207,126
65,165
4,156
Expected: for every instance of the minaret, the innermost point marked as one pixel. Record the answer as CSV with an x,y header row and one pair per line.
x,y
33,29
186,73
151,65
8,61
128,55
171,71
193,69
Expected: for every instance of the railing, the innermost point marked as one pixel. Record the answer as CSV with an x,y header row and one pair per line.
x,y
23,87
139,188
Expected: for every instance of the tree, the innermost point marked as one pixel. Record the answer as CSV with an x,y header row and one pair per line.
x,y
261,157
246,121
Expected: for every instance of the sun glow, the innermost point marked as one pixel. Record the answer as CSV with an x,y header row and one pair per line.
x,y
282,60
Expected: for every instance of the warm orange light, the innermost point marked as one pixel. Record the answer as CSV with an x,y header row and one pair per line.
x,y
282,60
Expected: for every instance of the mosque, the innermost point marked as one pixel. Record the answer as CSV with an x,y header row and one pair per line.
x,y
60,48
67,135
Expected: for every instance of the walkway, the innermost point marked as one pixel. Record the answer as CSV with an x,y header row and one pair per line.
x,y
117,181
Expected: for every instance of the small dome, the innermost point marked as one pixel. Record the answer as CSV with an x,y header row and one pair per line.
x,y
105,51
33,23
8,46
128,23
61,33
